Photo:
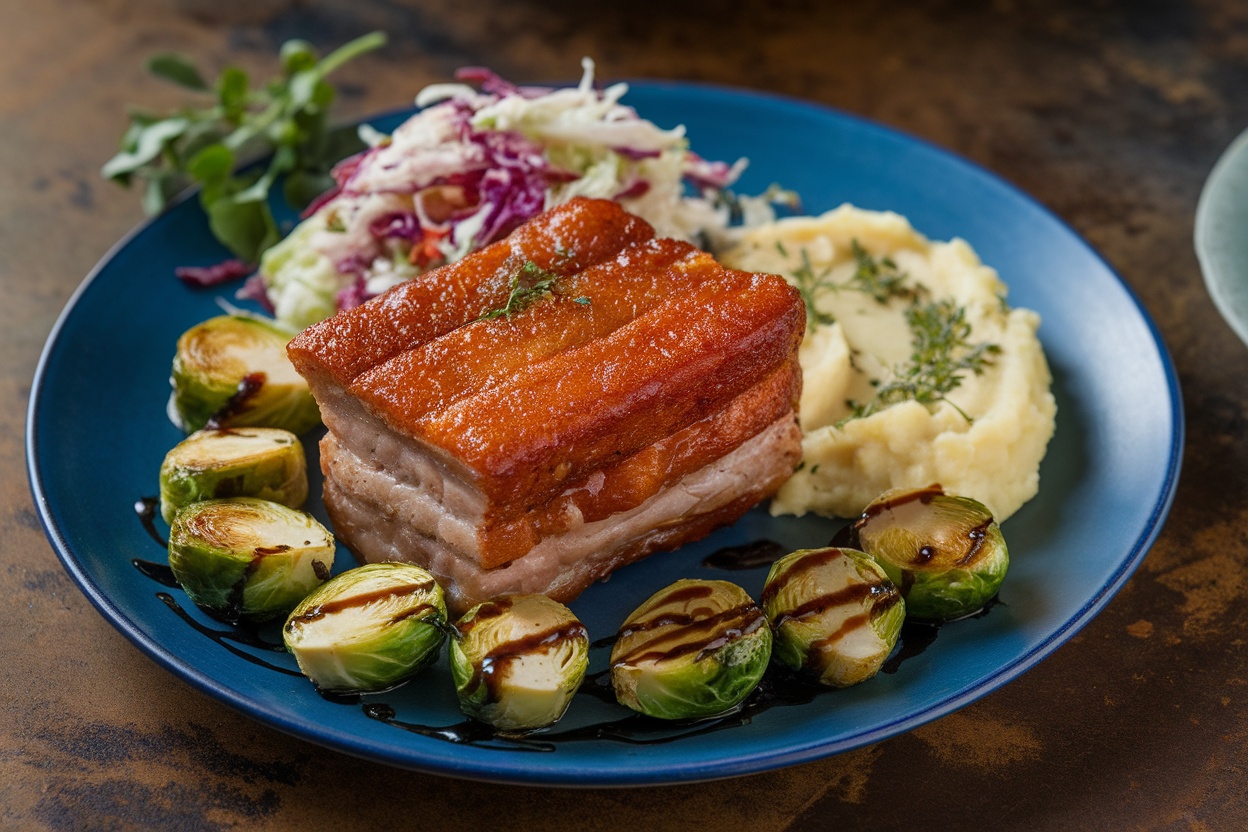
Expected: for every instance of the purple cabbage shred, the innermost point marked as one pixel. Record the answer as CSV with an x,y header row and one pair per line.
x,y
214,275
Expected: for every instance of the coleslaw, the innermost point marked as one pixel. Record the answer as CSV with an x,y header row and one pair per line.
x,y
475,163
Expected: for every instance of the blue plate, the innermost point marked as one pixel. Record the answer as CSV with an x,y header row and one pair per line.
x,y
98,433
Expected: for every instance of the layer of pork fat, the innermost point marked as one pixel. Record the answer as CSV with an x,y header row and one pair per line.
x,y
362,499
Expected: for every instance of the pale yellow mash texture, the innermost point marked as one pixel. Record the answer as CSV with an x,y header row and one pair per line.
x,y
994,457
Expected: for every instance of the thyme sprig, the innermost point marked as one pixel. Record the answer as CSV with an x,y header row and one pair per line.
x,y
529,284
942,355
809,285
879,278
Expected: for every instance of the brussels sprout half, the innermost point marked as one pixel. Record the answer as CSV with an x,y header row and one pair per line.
x,y
234,462
232,370
248,559
834,614
694,649
369,629
945,553
518,661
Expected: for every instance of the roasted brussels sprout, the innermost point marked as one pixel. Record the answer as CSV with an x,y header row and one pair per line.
x,y
518,661
232,370
834,614
248,559
945,553
694,649
368,629
234,462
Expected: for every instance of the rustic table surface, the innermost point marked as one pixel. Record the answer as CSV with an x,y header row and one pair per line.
x,y
1111,113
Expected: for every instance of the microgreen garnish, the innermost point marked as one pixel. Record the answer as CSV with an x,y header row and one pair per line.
x,y
942,355
287,118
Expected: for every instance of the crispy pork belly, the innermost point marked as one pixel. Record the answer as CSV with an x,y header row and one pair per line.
x,y
564,240
648,396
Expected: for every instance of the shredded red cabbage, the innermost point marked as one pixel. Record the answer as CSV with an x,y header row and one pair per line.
x,y
708,175
636,155
512,181
402,225
489,81
636,189
255,289
214,275
354,295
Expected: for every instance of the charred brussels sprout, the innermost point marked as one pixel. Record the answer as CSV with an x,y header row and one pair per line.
x,y
369,629
834,614
518,660
945,553
232,370
248,559
694,649
234,462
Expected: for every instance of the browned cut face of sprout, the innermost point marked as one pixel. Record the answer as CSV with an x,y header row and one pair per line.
x,y
835,614
945,553
518,660
696,648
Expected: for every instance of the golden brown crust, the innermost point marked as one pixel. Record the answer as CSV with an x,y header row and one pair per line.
x,y
525,438
564,240
628,483
585,306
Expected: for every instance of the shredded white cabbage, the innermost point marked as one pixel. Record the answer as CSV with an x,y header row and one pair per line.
x,y
473,164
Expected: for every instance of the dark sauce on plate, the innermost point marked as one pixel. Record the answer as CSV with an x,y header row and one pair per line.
x,y
236,634
146,508
747,556
778,688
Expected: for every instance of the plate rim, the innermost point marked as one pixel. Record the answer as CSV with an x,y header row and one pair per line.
x,y
690,772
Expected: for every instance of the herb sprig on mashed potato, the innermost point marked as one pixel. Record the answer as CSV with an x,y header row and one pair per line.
x,y
915,369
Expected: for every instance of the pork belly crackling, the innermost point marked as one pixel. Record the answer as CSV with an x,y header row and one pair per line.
x,y
641,397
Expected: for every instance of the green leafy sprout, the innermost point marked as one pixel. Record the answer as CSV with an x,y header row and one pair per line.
x,y
286,119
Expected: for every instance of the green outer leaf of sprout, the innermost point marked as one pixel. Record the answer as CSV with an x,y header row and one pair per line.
x,y
373,646
267,463
801,643
215,356
248,558
532,689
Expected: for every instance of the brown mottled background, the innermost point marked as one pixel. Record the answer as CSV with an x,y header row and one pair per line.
x,y
1111,113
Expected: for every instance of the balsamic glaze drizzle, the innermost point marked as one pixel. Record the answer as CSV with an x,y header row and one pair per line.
x,y
146,508
236,634
158,572
748,556
778,688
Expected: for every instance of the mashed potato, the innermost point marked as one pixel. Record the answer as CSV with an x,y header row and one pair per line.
x,y
984,439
